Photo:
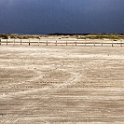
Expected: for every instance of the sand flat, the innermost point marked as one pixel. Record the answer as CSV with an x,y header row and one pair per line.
x,y
61,85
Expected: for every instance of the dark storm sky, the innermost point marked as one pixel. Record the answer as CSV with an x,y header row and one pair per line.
x,y
61,16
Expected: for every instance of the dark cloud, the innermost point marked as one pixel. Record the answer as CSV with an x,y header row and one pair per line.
x,y
73,16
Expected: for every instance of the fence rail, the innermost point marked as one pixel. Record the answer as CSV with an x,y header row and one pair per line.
x,y
50,42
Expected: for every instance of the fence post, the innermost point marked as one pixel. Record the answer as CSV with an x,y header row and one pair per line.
x,y
56,43
121,43
85,43
20,41
13,42
0,41
38,41
66,43
112,44
75,43
6,41
102,43
29,42
94,44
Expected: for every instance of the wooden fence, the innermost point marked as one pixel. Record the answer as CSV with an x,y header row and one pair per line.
x,y
58,42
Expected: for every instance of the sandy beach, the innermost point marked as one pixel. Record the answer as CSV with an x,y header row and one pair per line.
x,y
61,85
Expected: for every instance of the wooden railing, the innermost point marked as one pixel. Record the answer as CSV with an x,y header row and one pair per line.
x,y
58,42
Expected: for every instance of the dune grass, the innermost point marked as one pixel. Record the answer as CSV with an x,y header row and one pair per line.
x,y
102,36
79,36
